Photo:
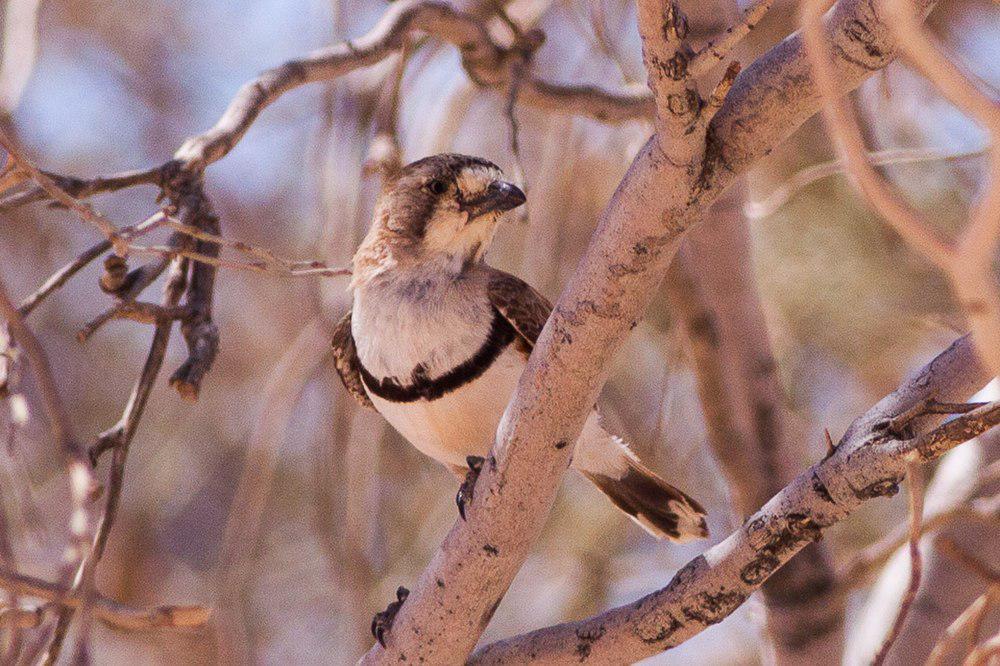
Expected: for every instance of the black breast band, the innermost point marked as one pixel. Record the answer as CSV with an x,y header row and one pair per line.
x,y
422,387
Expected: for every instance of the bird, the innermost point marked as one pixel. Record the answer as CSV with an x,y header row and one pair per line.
x,y
436,339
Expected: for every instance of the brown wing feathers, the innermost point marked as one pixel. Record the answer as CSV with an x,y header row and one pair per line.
x,y
519,303
345,359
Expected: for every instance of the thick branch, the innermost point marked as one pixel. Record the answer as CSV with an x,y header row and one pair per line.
x,y
776,93
866,464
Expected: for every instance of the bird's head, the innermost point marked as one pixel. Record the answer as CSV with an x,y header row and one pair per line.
x,y
444,208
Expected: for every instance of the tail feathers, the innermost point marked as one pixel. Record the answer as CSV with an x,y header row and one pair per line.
x,y
659,508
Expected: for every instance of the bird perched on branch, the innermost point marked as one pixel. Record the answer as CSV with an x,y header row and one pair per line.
x,y
436,339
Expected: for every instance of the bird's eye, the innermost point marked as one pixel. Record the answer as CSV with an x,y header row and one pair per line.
x,y
436,187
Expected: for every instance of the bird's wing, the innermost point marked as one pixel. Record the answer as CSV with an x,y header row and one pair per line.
x,y
345,359
519,303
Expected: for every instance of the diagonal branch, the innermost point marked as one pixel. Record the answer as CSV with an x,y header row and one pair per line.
x,y
867,463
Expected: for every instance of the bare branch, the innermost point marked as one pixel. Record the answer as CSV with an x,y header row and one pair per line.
x,y
483,59
899,213
666,188
712,291
20,48
974,564
82,483
107,610
968,262
783,193
278,399
915,492
714,53
85,212
862,564
964,625
867,463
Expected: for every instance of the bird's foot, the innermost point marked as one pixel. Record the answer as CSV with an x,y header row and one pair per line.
x,y
466,490
382,622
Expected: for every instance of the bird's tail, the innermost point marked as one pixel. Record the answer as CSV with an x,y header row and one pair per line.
x,y
659,508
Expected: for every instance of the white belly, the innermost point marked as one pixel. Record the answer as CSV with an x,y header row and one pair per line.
x,y
460,423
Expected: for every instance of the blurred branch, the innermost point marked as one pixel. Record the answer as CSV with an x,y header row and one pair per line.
x,y
20,48
107,610
915,494
278,399
965,625
118,439
968,262
712,290
82,484
783,193
984,654
966,559
862,564
868,462
384,153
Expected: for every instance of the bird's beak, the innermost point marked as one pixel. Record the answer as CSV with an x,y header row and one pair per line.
x,y
498,197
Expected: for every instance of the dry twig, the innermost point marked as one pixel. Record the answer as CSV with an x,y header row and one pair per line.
x,y
107,610
783,193
915,494
964,625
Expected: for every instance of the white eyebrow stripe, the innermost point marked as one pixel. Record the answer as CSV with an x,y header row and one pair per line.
x,y
473,180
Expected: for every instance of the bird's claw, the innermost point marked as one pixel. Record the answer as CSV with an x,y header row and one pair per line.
x,y
382,622
466,490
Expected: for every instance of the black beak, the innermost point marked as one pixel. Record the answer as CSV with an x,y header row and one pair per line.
x,y
500,196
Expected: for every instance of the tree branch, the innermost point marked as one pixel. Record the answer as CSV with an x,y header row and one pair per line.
x,y
112,612
867,463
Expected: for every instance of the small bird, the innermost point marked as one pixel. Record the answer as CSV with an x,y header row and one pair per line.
x,y
436,340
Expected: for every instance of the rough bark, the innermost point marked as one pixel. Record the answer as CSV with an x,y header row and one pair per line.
x,y
867,463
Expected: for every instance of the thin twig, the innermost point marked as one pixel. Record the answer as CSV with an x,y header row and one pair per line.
x,y
107,610
716,52
81,477
871,559
915,494
842,123
964,625
120,436
269,262
801,179
85,212
967,560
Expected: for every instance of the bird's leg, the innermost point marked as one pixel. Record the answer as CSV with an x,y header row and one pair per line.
x,y
466,490
382,622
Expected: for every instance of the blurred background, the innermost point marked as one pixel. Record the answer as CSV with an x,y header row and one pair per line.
x,y
336,510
